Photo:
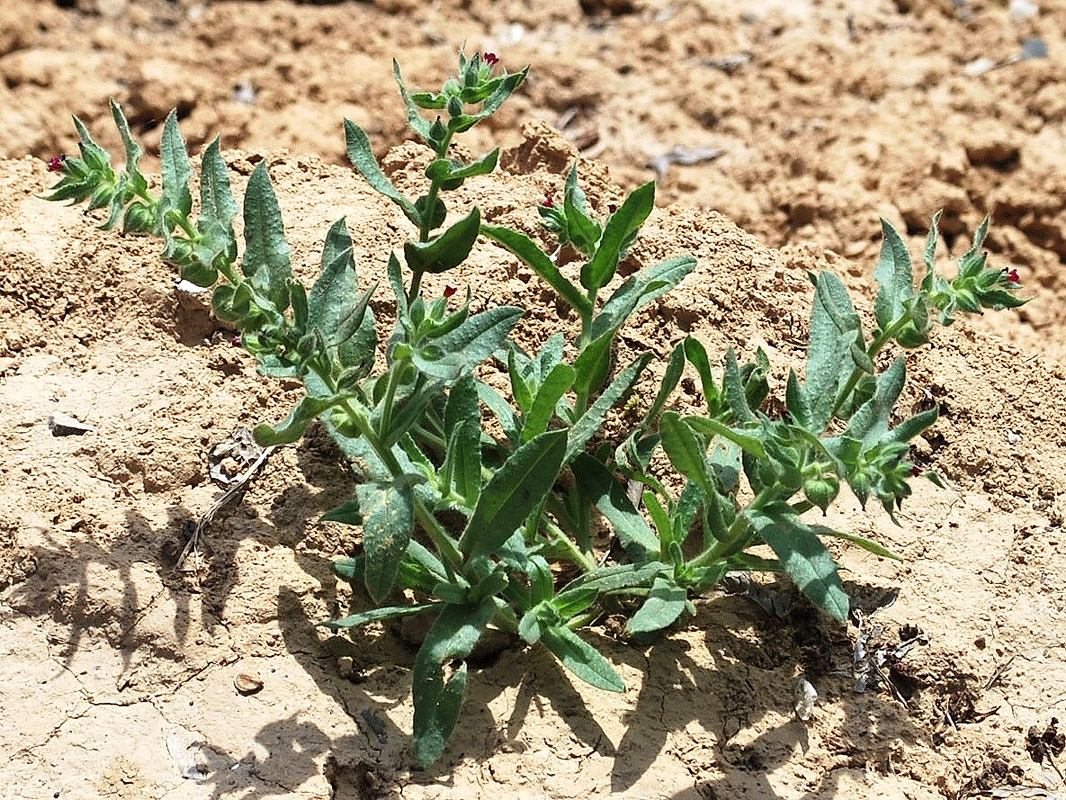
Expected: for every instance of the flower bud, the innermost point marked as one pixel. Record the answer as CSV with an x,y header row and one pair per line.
x,y
821,491
140,218
910,336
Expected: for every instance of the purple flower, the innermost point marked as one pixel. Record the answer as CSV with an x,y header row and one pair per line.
x,y
491,59
548,201
1012,276
55,163
449,291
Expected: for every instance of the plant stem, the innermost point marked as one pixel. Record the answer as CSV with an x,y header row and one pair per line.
x,y
878,342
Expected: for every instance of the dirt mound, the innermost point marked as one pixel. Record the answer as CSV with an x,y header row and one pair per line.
x,y
129,665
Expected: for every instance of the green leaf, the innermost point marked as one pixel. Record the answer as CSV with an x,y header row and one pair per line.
x,y
294,425
376,615
462,349
640,289
446,169
617,578
517,488
446,250
388,519
593,364
896,276
834,327
685,451
462,405
664,605
362,158
95,157
912,426
177,171
713,427
437,702
217,208
581,658
462,461
133,149
861,541
335,307
496,403
589,422
537,260
266,254
870,423
599,487
417,122
733,389
929,254
696,354
554,386
674,369
620,229
504,90
806,560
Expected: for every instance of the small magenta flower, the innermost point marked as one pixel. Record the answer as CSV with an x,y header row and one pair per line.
x,y
449,291
548,201
1012,276
491,59
915,470
55,163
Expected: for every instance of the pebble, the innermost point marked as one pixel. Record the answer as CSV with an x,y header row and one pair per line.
x,y
64,425
247,683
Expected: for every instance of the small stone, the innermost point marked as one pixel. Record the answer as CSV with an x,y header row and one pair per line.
x,y
247,683
345,666
1021,10
64,425
804,695
1034,48
979,66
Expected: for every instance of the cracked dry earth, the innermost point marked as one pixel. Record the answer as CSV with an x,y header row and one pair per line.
x,y
120,672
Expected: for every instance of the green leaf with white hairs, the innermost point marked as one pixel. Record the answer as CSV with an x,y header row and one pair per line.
x,y
896,276
437,701
599,488
418,123
870,423
266,261
581,658
461,471
535,258
590,422
132,147
618,232
555,384
665,604
639,290
335,306
377,615
388,520
217,208
293,426
446,250
834,328
685,450
806,561
177,171
362,158
517,488
456,353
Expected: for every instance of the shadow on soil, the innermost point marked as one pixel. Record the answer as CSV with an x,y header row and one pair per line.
x,y
754,656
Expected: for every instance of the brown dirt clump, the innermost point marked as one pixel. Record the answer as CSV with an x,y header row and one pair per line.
x,y
119,670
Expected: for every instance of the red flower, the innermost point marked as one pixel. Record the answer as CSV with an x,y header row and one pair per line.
x,y
449,291
491,59
915,470
55,163
1012,276
548,201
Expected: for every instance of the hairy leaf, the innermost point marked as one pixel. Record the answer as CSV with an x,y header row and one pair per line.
x,y
599,487
664,605
806,561
388,519
581,658
266,255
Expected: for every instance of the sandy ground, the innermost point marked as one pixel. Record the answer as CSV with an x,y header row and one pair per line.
x,y
118,671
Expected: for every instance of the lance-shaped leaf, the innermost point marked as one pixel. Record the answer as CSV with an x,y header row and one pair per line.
x,y
806,560
437,702
447,250
376,615
593,364
617,233
417,122
217,208
293,426
640,289
861,541
581,658
834,327
419,570
517,488
599,487
362,158
446,170
266,254
133,148
388,519
460,350
589,422
870,423
666,602
556,383
896,276
713,427
527,250
177,171
461,471
335,298
616,578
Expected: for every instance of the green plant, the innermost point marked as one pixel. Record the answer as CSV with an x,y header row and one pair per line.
x,y
523,557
